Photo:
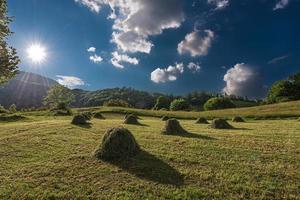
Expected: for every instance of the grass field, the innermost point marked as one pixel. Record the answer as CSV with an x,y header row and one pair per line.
x,y
46,157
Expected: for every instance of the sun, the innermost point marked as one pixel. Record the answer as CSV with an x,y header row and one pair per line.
x,y
36,53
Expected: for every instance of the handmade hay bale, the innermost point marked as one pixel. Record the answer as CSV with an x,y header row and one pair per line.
x,y
131,119
165,118
98,115
201,120
173,127
79,120
62,112
11,117
117,144
220,124
88,115
238,119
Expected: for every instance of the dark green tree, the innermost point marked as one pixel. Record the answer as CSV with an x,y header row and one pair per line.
x,y
217,103
57,96
281,91
8,55
162,102
179,104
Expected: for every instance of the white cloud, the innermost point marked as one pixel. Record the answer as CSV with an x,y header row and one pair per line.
x,y
194,67
69,81
281,4
220,4
196,43
243,80
277,59
96,59
117,59
167,74
136,20
91,49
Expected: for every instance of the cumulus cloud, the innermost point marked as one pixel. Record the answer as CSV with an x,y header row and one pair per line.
x,y
243,80
91,49
69,81
194,67
281,4
167,74
96,59
136,20
196,43
117,59
219,4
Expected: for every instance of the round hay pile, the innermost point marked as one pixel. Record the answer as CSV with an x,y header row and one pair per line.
x,y
131,119
117,143
220,124
173,127
98,115
238,119
79,120
87,115
201,120
165,118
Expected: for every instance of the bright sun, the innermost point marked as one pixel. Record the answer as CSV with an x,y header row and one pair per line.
x,y
36,53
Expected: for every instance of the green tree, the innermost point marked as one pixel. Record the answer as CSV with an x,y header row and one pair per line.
x,y
57,96
217,103
179,104
283,90
8,55
13,108
162,102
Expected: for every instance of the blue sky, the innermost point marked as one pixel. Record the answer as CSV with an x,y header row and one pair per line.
x,y
174,46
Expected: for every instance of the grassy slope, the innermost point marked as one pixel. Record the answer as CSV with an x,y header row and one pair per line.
x,y
282,110
51,159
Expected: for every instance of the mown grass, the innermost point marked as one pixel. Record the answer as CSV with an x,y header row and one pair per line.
x,y
273,111
52,159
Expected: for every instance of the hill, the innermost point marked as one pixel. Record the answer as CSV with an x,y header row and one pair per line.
x,y
25,90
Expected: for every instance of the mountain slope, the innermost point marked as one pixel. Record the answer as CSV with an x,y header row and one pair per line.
x,y
25,90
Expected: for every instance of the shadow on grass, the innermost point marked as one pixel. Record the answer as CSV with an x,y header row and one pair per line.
x,y
197,136
138,124
147,166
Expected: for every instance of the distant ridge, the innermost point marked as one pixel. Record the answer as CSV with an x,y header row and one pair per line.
x,y
26,90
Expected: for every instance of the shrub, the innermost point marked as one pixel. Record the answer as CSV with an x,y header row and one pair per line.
x,y
179,104
131,119
173,127
201,120
79,120
220,124
217,103
116,103
98,115
238,119
3,110
162,102
13,108
117,144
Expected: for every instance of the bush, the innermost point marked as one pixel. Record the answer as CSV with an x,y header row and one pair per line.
x,y
116,103
131,119
79,120
179,104
3,110
173,127
162,103
220,124
201,120
12,108
217,103
117,144
238,119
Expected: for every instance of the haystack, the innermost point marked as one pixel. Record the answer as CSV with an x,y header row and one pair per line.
x,y
220,124
131,119
165,118
117,144
98,115
173,127
238,119
201,120
79,120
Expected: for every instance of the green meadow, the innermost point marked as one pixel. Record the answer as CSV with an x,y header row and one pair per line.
x,y
46,157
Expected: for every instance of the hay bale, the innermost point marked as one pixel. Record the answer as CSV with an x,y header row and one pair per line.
x,y
238,119
173,127
79,120
117,143
131,119
220,124
165,118
201,120
88,115
11,117
98,115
